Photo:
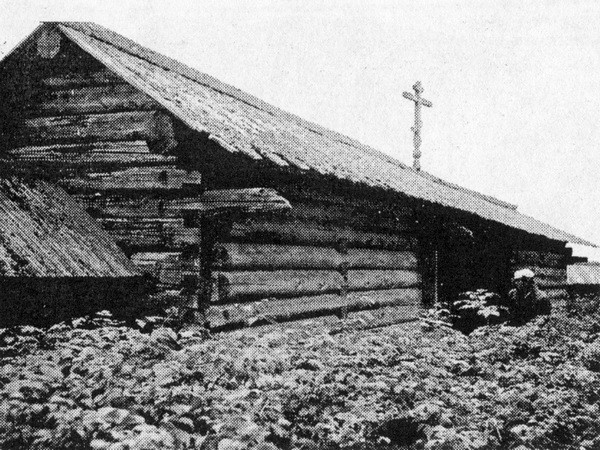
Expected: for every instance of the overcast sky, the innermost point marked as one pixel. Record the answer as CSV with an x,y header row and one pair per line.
x,y
515,85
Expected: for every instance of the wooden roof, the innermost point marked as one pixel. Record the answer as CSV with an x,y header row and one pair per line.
x,y
45,233
244,124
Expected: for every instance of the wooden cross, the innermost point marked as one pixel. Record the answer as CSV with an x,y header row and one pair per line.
x,y
416,97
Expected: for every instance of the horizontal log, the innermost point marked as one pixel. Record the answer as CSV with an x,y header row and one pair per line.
x,y
149,206
364,280
91,99
302,194
240,256
239,286
312,234
155,127
168,233
138,207
90,155
355,217
135,179
540,259
241,200
118,147
220,316
69,80
577,259
245,285
110,127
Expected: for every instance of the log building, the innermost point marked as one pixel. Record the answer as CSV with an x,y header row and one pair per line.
x,y
177,165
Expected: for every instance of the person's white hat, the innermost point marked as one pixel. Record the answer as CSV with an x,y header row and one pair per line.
x,y
524,273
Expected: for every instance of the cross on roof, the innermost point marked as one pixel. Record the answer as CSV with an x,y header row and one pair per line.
x,y
416,97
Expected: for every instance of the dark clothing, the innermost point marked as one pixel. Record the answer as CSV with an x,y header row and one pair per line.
x,y
524,305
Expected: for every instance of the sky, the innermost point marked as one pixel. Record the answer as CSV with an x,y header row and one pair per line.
x,y
515,85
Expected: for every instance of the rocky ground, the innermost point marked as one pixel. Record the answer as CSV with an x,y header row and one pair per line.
x,y
101,385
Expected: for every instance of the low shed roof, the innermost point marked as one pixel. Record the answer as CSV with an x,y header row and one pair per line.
x,y
242,123
45,233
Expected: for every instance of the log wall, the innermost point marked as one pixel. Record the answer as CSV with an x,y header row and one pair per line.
x,y
116,151
111,147
320,258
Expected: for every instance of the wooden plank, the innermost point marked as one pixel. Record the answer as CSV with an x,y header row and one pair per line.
x,y
313,234
241,256
90,155
243,285
135,179
91,99
220,316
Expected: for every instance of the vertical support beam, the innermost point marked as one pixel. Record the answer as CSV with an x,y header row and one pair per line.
x,y
214,227
200,293
204,264
436,278
428,233
192,269
198,260
428,265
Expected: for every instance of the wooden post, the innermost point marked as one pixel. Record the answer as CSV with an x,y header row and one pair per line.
x,y
201,292
436,299
193,282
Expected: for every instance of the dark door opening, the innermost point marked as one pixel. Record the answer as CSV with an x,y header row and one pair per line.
x,y
471,264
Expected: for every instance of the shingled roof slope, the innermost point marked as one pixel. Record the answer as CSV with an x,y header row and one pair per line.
x,y
45,233
244,124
